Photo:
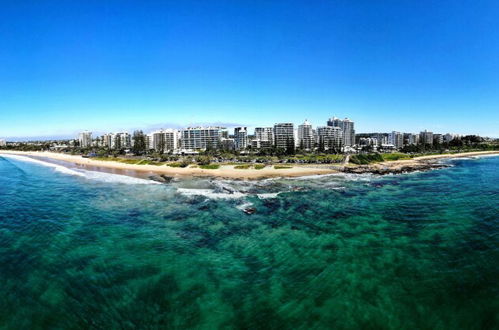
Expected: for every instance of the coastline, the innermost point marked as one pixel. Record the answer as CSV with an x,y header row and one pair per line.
x,y
228,171
225,171
421,163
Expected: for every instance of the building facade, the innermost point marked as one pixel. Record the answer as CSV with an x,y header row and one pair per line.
x,y
85,139
348,129
201,138
396,139
426,137
165,140
284,136
330,137
241,138
306,139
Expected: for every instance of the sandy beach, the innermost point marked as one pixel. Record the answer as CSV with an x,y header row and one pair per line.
x,y
225,171
228,171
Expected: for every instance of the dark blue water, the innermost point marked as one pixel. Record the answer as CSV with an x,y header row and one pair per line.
x,y
81,249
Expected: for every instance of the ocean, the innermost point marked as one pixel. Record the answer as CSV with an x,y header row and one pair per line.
x,y
83,249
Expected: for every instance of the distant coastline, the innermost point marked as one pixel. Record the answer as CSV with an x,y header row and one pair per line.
x,y
252,172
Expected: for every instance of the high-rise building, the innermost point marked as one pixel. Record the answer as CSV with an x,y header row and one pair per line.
x,y
438,138
121,140
449,137
426,137
241,138
264,138
348,128
396,139
264,134
284,136
306,139
411,139
3,143
165,140
201,138
107,140
330,137
85,139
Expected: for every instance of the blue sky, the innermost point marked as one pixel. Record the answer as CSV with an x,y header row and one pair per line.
x,y
110,65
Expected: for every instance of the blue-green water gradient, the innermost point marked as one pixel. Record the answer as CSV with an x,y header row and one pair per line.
x,y
86,250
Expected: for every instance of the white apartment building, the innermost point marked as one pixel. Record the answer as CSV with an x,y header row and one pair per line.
x,y
449,137
330,137
122,140
426,137
264,134
3,143
241,138
348,128
165,140
85,139
284,136
411,139
438,138
264,138
396,139
306,139
201,138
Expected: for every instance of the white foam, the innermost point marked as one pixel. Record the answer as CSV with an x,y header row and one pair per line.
x,y
268,195
209,193
115,178
244,206
90,175
58,168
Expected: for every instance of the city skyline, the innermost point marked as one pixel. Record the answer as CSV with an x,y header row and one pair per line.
x,y
391,66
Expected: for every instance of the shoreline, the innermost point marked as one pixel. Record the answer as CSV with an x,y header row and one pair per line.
x,y
421,163
225,171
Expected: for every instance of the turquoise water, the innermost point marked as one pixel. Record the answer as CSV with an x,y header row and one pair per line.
x,y
81,249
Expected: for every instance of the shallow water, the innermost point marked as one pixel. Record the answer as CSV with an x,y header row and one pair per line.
x,y
80,249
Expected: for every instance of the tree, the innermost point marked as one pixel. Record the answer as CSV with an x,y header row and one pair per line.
x,y
139,143
290,146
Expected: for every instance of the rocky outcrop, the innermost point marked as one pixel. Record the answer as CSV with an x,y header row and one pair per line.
x,y
384,168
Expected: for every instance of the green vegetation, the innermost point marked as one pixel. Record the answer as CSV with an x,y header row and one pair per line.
x,y
281,167
259,166
395,156
364,159
131,161
178,164
209,167
243,167
203,160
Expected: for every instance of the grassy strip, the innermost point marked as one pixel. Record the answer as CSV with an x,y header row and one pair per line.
x,y
210,167
395,156
178,164
259,166
364,159
242,167
281,167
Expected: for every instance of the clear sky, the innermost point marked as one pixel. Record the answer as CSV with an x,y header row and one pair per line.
x,y
110,65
